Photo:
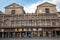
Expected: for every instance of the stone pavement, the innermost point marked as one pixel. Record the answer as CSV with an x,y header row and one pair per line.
x,y
30,39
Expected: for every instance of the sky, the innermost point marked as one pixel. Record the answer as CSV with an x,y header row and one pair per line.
x,y
29,5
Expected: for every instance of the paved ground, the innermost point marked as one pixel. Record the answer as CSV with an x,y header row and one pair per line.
x,y
30,39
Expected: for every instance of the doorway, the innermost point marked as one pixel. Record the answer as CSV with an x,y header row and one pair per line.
x,y
58,33
23,34
0,34
29,34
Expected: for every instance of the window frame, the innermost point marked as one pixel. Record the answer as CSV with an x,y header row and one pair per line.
x,y
47,10
13,11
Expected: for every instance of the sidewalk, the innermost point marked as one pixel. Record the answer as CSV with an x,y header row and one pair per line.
x,y
30,39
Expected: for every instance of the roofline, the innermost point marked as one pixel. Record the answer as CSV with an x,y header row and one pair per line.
x,y
45,2
13,3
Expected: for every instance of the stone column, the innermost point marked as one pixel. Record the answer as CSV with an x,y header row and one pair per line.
x,y
38,33
44,34
55,34
8,35
50,34
26,34
20,34
13,34
32,34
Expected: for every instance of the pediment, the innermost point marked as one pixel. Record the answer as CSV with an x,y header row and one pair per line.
x,y
47,4
14,5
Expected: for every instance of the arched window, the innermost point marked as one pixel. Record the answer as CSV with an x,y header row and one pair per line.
x,y
13,12
47,10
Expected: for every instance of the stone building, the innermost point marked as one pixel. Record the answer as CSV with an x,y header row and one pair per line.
x,y
15,23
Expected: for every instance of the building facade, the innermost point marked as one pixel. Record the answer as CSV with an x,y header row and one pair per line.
x,y
15,23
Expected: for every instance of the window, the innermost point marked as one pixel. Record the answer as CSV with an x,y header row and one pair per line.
x,y
24,29
54,23
20,29
47,10
13,12
34,29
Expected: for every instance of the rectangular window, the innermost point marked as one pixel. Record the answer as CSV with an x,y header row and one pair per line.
x,y
47,10
13,12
